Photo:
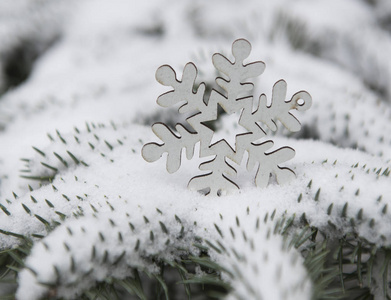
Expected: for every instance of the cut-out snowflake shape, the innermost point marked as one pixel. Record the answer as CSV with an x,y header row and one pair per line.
x,y
236,99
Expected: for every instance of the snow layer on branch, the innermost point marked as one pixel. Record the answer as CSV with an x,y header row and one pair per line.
x,y
114,246
106,244
244,241
341,175
80,196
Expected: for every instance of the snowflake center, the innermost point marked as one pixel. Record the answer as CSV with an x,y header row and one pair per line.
x,y
227,128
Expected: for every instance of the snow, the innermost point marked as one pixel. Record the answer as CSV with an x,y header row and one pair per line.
x,y
99,76
97,189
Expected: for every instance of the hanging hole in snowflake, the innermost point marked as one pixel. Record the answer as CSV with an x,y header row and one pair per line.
x,y
238,102
301,101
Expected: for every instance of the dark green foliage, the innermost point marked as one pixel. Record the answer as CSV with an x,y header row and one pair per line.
x,y
339,268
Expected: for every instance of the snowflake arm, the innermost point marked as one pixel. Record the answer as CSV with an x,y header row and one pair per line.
x,y
279,108
173,145
183,90
237,72
216,181
268,163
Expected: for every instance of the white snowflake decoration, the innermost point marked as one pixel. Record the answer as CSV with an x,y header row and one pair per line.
x,y
237,99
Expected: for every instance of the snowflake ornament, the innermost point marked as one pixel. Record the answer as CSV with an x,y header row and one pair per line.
x,y
237,98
